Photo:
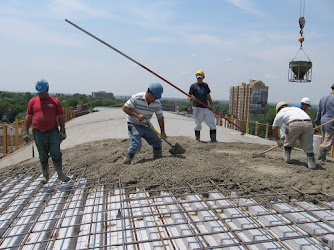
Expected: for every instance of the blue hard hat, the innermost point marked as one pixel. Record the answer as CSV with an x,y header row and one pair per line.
x,y
41,85
156,89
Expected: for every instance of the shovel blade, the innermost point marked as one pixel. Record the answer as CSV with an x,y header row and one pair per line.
x,y
258,155
177,149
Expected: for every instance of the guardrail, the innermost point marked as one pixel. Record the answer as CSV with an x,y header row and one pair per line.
x,y
254,128
11,134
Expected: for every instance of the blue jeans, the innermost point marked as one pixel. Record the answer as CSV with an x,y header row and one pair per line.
x,y
137,132
48,144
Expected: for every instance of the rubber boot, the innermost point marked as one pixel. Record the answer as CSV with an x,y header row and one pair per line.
x,y
311,161
213,133
322,154
287,154
197,135
157,152
58,164
45,171
128,158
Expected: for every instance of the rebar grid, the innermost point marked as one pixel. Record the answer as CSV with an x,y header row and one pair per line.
x,y
119,215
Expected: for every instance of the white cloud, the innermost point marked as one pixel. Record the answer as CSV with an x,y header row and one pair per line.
x,y
272,77
69,8
246,5
231,40
9,11
228,60
160,39
202,39
26,31
144,14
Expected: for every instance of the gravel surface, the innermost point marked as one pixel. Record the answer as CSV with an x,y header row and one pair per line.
x,y
102,161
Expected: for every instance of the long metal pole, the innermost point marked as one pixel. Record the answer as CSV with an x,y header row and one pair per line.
x,y
131,59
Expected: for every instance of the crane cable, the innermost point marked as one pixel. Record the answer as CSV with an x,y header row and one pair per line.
x,y
302,8
301,21
301,25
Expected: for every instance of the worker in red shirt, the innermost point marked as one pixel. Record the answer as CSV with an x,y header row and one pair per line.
x,y
44,112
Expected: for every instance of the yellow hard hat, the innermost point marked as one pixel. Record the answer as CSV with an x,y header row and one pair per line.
x,y
280,105
200,72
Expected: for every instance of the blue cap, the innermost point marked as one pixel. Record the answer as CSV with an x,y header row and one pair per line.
x,y
41,85
156,89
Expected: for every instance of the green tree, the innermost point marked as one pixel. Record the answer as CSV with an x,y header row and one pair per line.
x,y
70,102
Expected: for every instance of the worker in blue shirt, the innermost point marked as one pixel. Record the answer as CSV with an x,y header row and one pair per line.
x,y
305,103
325,114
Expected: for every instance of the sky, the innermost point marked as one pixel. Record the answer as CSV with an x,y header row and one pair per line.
x,y
232,41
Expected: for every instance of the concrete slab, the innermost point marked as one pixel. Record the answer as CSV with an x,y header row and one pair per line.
x,y
112,124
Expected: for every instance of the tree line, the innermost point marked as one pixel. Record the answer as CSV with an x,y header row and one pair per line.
x,y
13,106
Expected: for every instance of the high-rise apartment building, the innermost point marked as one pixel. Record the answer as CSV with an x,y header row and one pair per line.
x,y
247,101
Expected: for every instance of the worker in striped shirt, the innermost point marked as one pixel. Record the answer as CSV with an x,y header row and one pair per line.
x,y
139,109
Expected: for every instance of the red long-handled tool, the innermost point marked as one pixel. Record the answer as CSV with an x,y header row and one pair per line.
x,y
131,59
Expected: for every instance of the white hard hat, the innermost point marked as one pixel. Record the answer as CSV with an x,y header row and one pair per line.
x,y
306,100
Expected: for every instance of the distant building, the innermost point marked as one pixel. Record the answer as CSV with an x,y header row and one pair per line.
x,y
170,107
103,94
247,101
81,109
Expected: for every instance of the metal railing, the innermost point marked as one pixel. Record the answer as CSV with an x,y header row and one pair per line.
x,y
11,134
254,128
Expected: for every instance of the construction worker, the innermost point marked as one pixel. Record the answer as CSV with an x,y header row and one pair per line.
x,y
139,109
305,103
325,113
298,126
44,112
201,91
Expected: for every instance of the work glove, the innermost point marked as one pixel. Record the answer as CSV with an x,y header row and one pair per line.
x,y
192,98
26,136
163,136
62,134
279,143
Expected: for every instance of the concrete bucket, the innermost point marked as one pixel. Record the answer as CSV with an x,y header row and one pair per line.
x,y
300,71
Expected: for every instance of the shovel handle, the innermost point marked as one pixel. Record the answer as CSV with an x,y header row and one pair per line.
x,y
317,127
156,131
269,149
313,129
160,135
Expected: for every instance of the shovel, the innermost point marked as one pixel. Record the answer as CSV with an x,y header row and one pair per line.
x,y
175,150
262,154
